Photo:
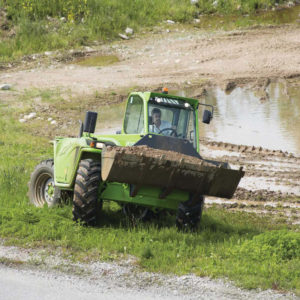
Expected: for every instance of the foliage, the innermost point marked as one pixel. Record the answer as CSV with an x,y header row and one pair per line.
x,y
44,25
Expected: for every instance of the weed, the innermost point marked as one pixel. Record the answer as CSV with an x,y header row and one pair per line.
x,y
43,25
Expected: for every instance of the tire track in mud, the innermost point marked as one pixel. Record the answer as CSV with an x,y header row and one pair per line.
x,y
271,184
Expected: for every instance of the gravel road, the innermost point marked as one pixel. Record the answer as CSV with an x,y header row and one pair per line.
x,y
37,274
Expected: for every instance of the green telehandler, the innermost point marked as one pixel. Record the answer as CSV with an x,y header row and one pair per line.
x,y
153,164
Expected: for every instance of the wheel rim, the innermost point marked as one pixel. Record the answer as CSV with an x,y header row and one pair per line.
x,y
44,189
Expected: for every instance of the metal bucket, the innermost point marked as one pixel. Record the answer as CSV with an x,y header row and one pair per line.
x,y
141,165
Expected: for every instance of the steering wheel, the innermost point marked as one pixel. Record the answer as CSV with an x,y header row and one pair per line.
x,y
173,133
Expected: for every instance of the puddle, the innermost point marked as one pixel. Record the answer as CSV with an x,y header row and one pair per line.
x,y
240,117
281,16
245,117
97,61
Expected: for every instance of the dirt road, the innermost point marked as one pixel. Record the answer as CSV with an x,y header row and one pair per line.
x,y
182,56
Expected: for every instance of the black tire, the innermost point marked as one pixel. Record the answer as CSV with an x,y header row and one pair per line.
x,y
41,185
189,214
86,206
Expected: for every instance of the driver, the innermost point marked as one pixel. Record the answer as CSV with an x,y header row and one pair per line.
x,y
158,125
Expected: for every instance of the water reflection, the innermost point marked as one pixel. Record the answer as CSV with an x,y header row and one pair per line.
x,y
244,117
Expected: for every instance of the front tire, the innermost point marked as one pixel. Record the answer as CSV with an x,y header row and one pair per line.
x,y
41,185
86,206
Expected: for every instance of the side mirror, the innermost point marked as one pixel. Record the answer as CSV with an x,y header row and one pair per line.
x,y
207,116
80,129
90,122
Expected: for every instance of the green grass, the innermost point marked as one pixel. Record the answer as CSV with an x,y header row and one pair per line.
x,y
251,250
39,25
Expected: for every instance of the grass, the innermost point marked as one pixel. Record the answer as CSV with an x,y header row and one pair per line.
x,y
41,25
253,251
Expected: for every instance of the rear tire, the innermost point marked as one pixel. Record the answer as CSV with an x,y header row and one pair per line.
x,y
41,185
189,214
86,206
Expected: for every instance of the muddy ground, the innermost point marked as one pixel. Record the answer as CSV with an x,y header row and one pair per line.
x,y
180,56
271,184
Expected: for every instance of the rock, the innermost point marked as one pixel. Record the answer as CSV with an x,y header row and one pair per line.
x,y
129,30
194,1
22,120
50,119
30,116
215,3
63,19
88,49
53,122
48,53
177,61
170,22
196,21
291,4
229,86
5,87
123,36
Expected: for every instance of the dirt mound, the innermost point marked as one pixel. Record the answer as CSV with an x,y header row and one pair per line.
x,y
248,149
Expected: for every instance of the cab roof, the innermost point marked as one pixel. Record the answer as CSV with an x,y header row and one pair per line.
x,y
148,95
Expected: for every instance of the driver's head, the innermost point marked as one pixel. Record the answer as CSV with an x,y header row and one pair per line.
x,y
156,115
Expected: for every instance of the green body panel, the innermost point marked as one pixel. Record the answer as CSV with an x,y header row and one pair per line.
x,y
146,196
69,151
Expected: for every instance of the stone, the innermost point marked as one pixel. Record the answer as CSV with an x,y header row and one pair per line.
x,y
170,22
48,53
129,31
194,1
229,86
123,36
5,87
88,49
22,120
177,61
50,119
30,116
53,122
291,4
63,19
196,21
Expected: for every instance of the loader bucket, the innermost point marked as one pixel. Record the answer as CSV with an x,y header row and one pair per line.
x,y
141,165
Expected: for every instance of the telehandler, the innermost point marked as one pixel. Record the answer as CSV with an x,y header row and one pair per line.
x,y
152,164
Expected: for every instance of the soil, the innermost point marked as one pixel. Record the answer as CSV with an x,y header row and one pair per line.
x,y
271,184
180,57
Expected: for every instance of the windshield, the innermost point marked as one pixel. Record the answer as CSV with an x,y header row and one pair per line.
x,y
172,117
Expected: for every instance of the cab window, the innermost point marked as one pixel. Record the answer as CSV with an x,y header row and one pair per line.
x,y
134,116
